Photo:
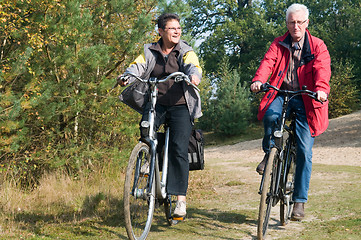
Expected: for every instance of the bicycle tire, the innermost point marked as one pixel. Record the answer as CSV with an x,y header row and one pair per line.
x,y
287,189
139,207
267,195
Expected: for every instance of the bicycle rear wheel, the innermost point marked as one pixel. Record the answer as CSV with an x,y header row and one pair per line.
x,y
287,189
267,194
138,203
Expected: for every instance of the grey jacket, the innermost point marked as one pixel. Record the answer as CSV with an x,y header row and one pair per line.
x,y
144,64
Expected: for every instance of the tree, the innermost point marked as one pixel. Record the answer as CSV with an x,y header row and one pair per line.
x,y
229,112
343,94
243,32
57,61
236,29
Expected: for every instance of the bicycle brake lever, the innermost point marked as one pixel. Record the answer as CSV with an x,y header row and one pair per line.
x,y
264,88
314,96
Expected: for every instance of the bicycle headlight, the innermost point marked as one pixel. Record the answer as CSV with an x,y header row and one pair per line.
x,y
277,134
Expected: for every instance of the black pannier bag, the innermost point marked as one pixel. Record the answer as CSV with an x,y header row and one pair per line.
x,y
195,150
135,95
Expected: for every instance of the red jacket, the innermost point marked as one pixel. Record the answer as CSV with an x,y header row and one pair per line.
x,y
314,72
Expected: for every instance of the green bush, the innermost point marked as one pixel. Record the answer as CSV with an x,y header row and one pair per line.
x,y
229,111
343,96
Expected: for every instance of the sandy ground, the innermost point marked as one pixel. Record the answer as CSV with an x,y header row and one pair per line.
x,y
340,144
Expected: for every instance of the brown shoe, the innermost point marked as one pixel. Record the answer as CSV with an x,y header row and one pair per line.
x,y
261,165
298,212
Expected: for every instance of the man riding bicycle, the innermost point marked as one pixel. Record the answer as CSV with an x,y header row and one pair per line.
x,y
294,60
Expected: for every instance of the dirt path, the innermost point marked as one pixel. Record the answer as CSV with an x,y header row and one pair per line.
x,y
339,145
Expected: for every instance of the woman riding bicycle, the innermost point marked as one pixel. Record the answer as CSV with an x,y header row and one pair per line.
x,y
178,104
294,60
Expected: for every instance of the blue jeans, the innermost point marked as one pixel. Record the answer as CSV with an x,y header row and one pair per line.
x,y
303,138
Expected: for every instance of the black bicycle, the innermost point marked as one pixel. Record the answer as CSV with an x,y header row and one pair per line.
x,y
277,182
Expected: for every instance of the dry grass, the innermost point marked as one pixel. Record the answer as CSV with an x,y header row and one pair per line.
x,y
59,199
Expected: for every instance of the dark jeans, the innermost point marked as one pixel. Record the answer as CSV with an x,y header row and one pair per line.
x,y
180,126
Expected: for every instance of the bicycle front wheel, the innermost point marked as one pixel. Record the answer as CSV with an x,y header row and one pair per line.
x,y
139,203
267,194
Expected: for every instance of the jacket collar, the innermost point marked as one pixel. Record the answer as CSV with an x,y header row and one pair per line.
x,y
306,55
157,46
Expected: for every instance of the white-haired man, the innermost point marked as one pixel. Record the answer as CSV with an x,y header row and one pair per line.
x,y
296,59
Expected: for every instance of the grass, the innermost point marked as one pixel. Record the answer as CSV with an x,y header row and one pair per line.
x,y
63,208
335,202
222,204
255,131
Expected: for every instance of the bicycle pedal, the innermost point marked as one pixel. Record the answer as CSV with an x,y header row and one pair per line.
x,y
178,218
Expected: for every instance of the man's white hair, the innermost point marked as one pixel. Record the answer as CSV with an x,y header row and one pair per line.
x,y
295,8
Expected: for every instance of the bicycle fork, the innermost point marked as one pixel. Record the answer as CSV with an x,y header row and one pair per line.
x,y
274,191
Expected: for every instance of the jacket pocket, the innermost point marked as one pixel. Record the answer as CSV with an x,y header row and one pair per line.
x,y
317,104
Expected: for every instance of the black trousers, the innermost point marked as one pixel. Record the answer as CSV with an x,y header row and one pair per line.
x,y
180,125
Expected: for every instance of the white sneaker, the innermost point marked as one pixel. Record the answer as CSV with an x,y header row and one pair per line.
x,y
180,209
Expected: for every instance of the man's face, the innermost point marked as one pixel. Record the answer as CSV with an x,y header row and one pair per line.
x,y
297,24
171,33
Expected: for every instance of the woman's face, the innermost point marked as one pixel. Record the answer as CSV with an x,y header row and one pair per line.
x,y
171,33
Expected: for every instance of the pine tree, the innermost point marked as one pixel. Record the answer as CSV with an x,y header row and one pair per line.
x,y
229,112
58,63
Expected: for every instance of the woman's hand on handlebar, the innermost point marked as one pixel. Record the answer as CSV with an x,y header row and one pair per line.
x,y
195,80
256,86
122,80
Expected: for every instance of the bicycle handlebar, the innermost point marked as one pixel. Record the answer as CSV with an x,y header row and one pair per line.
x,y
178,77
266,87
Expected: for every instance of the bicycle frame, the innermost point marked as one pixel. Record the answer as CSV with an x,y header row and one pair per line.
x,y
153,142
145,185
282,166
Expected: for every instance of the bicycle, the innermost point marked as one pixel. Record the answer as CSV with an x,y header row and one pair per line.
x,y
277,182
146,179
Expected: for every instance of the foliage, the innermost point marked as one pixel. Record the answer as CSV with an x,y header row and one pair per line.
x,y
228,113
241,32
57,61
336,22
230,28
343,95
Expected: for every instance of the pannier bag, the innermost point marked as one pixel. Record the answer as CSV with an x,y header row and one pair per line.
x,y
195,149
135,95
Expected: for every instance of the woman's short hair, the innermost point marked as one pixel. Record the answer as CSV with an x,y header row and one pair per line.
x,y
295,8
165,17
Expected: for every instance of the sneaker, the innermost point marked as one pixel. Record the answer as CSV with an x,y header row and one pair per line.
x,y
261,165
180,209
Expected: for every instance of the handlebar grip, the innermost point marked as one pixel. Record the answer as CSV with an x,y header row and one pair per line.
x,y
264,87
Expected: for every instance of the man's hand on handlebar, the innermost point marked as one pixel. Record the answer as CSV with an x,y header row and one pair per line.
x,y
256,86
321,96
